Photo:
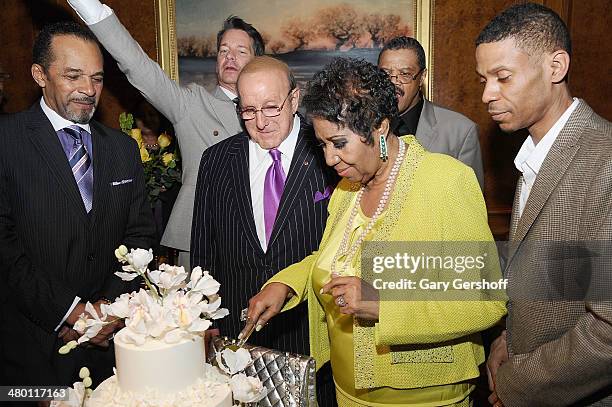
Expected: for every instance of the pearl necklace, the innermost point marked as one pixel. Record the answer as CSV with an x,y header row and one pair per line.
x,y
343,250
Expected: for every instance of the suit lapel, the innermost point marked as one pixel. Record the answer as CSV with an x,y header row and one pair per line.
x,y
301,165
225,110
514,219
425,132
45,140
553,168
101,161
239,167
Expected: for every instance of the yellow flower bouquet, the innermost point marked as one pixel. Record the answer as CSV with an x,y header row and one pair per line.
x,y
161,165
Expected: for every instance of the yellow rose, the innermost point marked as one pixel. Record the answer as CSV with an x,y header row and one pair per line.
x,y
144,155
167,158
164,140
137,135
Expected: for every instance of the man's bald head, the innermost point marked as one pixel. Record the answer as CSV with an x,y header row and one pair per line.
x,y
272,65
268,100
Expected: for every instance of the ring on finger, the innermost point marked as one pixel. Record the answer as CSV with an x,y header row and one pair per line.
x,y
340,301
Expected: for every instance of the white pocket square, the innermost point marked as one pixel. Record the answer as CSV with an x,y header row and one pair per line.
x,y
123,181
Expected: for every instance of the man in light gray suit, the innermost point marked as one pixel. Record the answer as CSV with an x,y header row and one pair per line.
x,y
439,130
200,118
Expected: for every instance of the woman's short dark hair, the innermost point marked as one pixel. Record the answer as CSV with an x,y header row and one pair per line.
x,y
237,23
352,93
42,54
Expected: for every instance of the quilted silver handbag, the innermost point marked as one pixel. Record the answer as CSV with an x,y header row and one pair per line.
x,y
289,377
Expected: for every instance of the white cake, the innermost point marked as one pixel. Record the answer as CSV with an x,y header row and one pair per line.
x,y
160,374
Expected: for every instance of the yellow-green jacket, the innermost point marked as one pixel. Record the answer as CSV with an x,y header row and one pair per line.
x,y
414,343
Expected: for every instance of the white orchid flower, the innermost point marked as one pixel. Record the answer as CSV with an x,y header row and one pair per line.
x,y
139,312
147,317
211,310
233,362
199,325
139,258
247,389
90,327
175,305
120,308
126,276
186,309
196,274
168,277
81,324
206,284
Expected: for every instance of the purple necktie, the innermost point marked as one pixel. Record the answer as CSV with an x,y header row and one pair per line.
x,y
273,190
81,165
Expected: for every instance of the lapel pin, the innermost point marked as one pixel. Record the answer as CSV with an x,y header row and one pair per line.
x,y
215,133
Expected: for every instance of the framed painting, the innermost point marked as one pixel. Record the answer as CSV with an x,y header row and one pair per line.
x,y
306,34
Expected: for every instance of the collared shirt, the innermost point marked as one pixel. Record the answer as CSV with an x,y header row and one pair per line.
x,y
229,93
58,123
408,121
259,162
531,156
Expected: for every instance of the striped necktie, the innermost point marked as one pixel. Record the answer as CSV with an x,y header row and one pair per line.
x,y
80,162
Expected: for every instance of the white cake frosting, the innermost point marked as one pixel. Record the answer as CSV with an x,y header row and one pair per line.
x,y
158,365
161,374
205,391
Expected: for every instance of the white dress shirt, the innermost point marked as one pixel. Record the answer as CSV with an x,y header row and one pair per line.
x,y
57,121
229,93
531,156
259,162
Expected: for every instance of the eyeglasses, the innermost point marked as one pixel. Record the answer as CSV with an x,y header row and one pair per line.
x,y
403,77
249,113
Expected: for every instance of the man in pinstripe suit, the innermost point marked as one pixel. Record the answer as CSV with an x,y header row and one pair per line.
x,y
71,191
229,230
558,346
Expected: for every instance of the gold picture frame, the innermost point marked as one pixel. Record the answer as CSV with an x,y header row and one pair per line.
x,y
165,27
167,53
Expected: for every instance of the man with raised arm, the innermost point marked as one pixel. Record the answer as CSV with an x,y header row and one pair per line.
x,y
200,118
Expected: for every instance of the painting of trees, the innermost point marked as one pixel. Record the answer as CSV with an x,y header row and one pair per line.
x,y
338,27
340,23
298,33
381,28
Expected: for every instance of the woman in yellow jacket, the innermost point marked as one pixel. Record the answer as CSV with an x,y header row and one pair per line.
x,y
386,349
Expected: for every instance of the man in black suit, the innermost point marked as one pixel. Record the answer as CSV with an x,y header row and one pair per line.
x,y
71,191
261,201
